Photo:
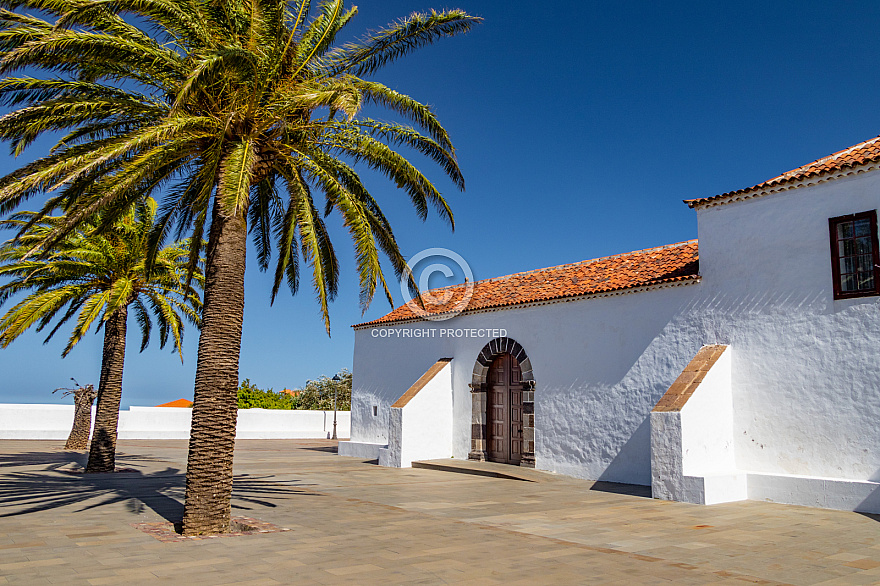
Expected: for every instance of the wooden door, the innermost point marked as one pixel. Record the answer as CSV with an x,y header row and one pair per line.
x,y
516,412
505,410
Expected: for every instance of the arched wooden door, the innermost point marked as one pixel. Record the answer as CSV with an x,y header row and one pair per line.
x,y
505,410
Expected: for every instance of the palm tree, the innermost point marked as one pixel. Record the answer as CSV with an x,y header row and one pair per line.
x,y
245,111
95,277
83,397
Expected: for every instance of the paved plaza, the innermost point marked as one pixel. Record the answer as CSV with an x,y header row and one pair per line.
x,y
352,522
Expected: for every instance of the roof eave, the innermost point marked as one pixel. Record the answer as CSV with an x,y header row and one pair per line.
x,y
673,281
772,186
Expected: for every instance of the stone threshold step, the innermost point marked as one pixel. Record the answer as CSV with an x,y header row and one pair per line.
x,y
490,469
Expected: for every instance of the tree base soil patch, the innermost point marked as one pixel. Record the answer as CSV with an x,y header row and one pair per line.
x,y
167,531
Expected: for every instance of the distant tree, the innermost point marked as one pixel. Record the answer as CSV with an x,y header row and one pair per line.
x,y
83,397
319,394
95,276
252,397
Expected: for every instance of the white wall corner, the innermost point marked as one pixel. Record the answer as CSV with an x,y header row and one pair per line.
x,y
364,450
666,474
692,446
420,424
390,455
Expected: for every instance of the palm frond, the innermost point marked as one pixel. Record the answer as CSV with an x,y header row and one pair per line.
x,y
92,273
215,103
389,44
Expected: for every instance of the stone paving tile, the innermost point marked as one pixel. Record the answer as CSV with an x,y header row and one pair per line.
x,y
353,522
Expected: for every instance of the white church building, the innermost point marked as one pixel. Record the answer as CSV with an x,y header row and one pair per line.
x,y
742,365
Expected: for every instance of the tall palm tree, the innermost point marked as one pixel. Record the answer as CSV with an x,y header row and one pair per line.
x,y
245,110
95,276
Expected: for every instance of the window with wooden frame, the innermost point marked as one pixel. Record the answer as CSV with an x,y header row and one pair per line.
x,y
854,255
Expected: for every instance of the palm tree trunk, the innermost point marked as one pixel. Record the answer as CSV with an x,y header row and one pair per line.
x,y
102,454
212,439
78,439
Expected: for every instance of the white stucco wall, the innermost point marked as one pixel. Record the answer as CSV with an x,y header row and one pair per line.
x,y
804,368
290,424
154,423
34,421
667,478
24,421
599,364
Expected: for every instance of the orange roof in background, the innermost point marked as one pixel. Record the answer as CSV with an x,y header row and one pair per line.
x,y
864,152
675,262
177,403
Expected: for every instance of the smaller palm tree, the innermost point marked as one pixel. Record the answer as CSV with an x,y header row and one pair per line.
x,y
95,275
83,397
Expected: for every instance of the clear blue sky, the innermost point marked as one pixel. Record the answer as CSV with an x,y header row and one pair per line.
x,y
580,127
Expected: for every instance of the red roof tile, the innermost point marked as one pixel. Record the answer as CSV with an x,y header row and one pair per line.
x,y
675,262
177,403
860,154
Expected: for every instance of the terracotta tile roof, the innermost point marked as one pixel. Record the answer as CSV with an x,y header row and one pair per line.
x,y
860,154
675,262
177,403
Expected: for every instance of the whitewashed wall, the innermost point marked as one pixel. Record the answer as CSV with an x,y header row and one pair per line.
x,y
806,374
24,421
805,370
599,364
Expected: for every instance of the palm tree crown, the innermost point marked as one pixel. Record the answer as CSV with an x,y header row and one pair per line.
x,y
90,275
95,276
250,103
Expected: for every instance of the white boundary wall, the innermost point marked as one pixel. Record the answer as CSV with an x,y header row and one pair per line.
x,y
27,421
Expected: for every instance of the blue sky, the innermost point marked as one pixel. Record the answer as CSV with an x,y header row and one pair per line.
x,y
580,127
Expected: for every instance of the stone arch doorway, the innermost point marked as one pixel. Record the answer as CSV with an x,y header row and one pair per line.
x,y
503,405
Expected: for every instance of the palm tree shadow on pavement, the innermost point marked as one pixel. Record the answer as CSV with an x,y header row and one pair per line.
x,y
63,484
54,459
